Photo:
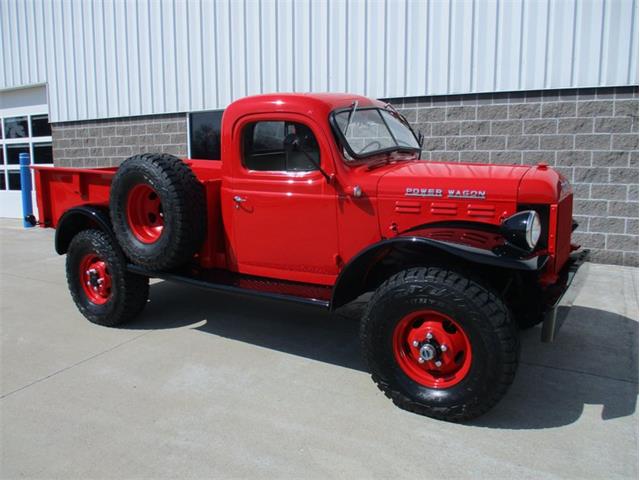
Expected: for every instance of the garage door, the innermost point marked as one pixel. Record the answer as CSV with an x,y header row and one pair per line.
x,y
23,130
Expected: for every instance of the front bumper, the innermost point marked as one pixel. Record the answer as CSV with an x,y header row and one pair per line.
x,y
561,296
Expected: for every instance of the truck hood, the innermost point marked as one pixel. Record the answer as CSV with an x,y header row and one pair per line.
x,y
411,194
452,181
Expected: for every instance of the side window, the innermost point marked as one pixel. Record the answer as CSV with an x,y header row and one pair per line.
x,y
263,147
204,134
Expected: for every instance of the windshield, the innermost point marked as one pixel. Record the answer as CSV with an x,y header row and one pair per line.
x,y
369,131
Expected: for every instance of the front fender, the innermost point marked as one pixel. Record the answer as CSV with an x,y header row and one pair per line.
x,y
430,245
77,219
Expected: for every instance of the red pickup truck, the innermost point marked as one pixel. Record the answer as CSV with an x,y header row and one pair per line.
x,y
319,199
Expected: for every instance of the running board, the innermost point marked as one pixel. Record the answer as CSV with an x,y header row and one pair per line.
x,y
225,281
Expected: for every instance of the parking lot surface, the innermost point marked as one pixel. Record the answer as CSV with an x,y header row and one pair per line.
x,y
211,385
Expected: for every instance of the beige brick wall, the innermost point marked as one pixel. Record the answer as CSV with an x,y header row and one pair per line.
x,y
108,142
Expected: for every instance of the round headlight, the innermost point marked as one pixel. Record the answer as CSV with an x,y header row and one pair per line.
x,y
533,229
523,229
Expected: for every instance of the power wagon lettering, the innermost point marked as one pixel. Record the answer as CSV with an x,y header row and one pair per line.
x,y
437,192
477,194
423,192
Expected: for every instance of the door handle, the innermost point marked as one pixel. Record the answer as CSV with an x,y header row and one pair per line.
x,y
238,200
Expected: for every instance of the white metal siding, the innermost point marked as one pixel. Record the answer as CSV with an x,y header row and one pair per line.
x,y
110,58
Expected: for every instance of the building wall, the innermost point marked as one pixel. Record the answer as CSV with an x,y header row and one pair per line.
x,y
99,143
122,58
589,135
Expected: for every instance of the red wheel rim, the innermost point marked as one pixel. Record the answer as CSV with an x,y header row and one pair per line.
x,y
95,279
144,213
432,349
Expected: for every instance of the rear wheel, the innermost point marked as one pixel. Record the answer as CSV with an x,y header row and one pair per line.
x,y
101,287
439,344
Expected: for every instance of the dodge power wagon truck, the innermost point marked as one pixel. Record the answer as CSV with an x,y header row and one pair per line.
x,y
319,199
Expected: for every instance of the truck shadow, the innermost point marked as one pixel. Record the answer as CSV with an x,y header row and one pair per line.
x,y
593,363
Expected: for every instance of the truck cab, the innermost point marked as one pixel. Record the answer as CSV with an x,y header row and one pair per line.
x,y
365,183
321,198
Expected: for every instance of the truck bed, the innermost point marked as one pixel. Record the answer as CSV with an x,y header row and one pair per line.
x,y
59,189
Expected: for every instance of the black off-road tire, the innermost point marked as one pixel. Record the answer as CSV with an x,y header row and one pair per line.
x,y
481,314
129,292
183,208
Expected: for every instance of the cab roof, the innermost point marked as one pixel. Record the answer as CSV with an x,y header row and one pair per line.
x,y
317,105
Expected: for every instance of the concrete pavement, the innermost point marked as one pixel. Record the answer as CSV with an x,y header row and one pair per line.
x,y
208,385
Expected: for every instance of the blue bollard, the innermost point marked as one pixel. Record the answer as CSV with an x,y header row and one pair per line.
x,y
25,187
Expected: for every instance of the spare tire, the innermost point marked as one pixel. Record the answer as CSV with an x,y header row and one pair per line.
x,y
157,210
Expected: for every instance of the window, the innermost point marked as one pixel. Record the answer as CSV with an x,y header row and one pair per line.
x,y
42,153
264,150
13,153
204,129
402,134
40,126
16,127
370,131
24,129
14,179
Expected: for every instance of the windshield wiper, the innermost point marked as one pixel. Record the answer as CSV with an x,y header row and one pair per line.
x,y
403,119
393,110
353,110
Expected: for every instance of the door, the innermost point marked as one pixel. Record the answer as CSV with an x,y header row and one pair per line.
x,y
284,209
23,129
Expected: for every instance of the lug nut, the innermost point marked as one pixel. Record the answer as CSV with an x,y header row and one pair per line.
x,y
438,363
415,343
429,336
443,348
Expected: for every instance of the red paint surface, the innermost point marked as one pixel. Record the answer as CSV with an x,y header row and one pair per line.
x,y
93,267
144,213
455,360
296,225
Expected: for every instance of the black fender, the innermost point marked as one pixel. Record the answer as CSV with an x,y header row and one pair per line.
x,y
81,218
419,243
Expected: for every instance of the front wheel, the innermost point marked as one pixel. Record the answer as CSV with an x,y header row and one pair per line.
x,y
439,344
99,283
